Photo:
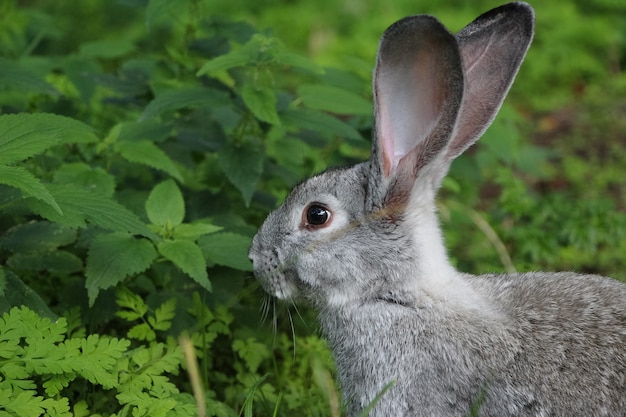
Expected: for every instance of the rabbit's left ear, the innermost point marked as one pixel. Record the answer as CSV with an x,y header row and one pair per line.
x,y
492,47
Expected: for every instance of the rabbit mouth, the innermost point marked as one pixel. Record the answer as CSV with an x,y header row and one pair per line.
x,y
279,284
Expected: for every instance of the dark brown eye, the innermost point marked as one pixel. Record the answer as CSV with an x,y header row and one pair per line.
x,y
316,216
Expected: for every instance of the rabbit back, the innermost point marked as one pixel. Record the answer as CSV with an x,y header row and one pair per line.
x,y
550,345
571,330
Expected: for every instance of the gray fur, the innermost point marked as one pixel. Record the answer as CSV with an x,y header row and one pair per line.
x,y
389,302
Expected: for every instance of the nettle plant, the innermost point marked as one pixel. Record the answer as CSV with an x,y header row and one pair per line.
x,y
133,171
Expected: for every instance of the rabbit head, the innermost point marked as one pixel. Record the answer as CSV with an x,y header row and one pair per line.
x,y
370,230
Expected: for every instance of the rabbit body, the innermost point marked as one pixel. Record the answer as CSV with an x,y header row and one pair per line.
x,y
531,355
362,244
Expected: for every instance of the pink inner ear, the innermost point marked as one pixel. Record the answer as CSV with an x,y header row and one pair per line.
x,y
409,106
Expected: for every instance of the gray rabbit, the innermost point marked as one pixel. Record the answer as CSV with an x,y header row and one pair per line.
x,y
363,245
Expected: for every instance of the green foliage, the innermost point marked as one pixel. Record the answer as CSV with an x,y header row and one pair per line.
x,y
143,142
37,362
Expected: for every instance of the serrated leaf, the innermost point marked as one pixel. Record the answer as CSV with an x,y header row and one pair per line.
x,y
92,178
319,122
80,205
37,236
165,205
228,249
291,59
188,257
159,9
262,103
24,135
112,258
16,76
59,261
3,282
147,153
106,48
30,185
22,295
193,231
252,352
134,305
243,165
163,315
141,331
233,59
182,98
334,100
151,130
56,383
25,404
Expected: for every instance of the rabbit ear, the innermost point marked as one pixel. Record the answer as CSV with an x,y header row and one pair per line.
x,y
418,88
492,48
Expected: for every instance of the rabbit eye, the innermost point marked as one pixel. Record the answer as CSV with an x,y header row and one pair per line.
x,y
315,216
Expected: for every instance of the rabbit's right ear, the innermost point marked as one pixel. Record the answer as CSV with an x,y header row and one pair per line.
x,y
418,88
492,47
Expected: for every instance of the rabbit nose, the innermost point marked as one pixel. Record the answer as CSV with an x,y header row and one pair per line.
x,y
253,251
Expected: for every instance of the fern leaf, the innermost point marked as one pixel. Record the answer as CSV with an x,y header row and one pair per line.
x,y
54,384
162,319
24,404
134,306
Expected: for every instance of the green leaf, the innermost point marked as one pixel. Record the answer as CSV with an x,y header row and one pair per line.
x,y
163,9
228,249
165,205
30,185
24,404
285,57
252,352
193,231
59,261
262,103
243,165
233,59
133,306
188,257
319,122
24,135
334,100
80,205
112,258
3,282
106,48
92,178
22,295
184,97
15,76
147,153
37,236
163,316
141,331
